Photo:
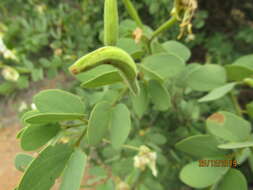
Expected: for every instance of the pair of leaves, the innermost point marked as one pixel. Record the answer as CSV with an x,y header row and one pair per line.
x,y
48,166
202,177
56,105
116,119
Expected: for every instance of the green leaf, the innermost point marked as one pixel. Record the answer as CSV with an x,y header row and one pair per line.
x,y
249,108
36,136
201,177
73,173
120,125
235,145
22,161
228,126
159,95
99,122
178,49
141,101
241,68
206,77
43,171
200,146
162,66
53,117
218,93
27,115
233,179
129,45
99,76
58,101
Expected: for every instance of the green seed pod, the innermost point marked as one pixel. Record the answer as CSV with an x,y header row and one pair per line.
x,y
111,22
113,56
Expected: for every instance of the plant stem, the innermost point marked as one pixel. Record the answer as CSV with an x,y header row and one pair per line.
x,y
167,25
81,137
132,12
124,146
236,104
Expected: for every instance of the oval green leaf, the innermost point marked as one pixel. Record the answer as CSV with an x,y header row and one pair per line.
x,y
206,77
218,93
120,125
233,179
99,76
58,101
228,126
200,146
162,66
201,177
99,122
22,161
73,173
35,136
159,95
178,49
43,171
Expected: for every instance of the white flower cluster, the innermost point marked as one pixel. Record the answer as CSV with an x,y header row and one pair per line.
x,y
10,74
145,158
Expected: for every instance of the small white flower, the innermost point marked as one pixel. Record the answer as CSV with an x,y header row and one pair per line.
x,y
10,74
22,107
33,106
146,158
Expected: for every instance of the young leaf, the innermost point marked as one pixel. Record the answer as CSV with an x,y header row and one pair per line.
x,y
218,93
140,102
74,171
233,179
22,161
120,125
99,122
43,171
228,126
206,77
162,66
159,95
99,76
36,136
178,49
201,177
235,145
58,101
200,146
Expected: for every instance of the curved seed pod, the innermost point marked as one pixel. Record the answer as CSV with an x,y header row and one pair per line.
x,y
132,12
111,22
113,56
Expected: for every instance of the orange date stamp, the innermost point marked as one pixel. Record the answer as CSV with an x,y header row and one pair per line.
x,y
218,163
